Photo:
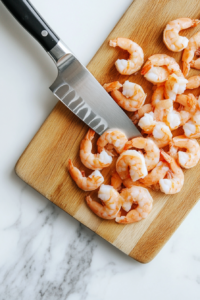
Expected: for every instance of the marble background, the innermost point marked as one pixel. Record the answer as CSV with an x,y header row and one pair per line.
x,y
44,253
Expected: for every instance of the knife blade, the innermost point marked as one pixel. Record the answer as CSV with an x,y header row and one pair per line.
x,y
74,86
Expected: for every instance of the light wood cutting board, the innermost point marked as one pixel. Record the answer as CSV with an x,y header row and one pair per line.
x,y
43,165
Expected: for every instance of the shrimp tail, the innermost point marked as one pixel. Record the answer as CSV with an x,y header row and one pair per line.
x,y
146,68
113,43
90,134
195,22
94,206
131,217
128,145
186,68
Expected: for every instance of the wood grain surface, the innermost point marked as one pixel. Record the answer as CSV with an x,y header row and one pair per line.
x,y
43,165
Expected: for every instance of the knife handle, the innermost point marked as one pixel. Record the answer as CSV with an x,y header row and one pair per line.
x,y
29,18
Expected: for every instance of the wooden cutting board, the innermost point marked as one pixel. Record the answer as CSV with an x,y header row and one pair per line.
x,y
43,165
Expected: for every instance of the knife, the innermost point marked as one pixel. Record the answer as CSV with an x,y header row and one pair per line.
x,y
74,86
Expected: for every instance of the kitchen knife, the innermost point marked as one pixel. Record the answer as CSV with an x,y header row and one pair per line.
x,y
74,86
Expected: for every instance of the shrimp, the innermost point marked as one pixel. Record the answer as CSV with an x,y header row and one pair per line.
x,y
158,68
187,159
140,197
174,183
189,53
89,183
136,59
193,82
164,112
147,123
152,155
184,117
114,137
174,85
195,64
192,128
159,172
161,135
171,37
158,94
112,203
90,160
116,181
189,102
128,183
131,98
159,132
131,164
141,112
109,87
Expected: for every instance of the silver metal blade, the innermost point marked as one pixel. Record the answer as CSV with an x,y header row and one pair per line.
x,y
77,88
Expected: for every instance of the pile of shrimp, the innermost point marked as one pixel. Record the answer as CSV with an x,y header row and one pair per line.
x,y
154,161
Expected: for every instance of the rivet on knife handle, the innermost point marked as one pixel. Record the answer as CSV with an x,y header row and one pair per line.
x,y
29,18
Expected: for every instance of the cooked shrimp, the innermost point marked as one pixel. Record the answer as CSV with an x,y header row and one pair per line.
x,y
141,112
192,129
189,53
184,117
158,68
116,181
136,59
128,183
161,135
190,158
189,102
111,200
152,155
147,122
195,64
131,164
174,85
193,82
89,183
171,37
131,98
114,137
162,108
174,183
141,198
173,150
159,172
115,85
90,160
164,112
158,94
160,132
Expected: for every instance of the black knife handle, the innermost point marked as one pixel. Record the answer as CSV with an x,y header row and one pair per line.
x,y
29,18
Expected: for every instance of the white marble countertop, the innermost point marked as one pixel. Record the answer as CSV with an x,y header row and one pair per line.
x,y
44,253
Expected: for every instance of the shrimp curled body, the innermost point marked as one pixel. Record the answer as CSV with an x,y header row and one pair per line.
x,y
159,172
193,82
190,158
136,59
132,96
114,137
158,68
90,160
189,53
89,183
171,37
131,164
152,155
139,196
174,183
111,200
